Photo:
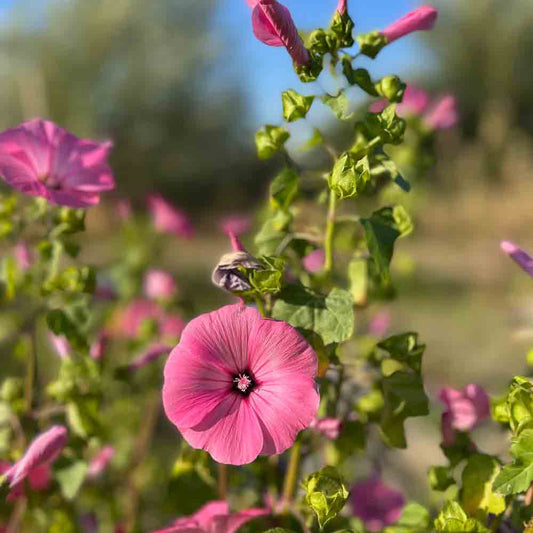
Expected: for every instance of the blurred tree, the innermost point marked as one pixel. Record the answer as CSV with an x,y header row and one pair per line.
x,y
139,72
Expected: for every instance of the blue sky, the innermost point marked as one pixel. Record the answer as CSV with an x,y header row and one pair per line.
x,y
264,71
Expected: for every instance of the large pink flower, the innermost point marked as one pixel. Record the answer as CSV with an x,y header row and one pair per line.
x,y
522,259
422,18
272,24
169,219
213,517
42,451
376,504
238,385
41,159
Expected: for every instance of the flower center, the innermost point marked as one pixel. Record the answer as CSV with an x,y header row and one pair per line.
x,y
243,383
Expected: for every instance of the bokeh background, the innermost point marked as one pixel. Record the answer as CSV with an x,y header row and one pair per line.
x,y
182,85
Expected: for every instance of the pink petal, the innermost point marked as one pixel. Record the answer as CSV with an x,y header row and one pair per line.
x,y
40,478
205,515
523,259
443,114
342,6
20,176
422,18
231,523
159,284
480,400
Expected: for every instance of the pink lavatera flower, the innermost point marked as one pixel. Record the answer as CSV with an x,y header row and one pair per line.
x,y
464,410
38,480
61,345
519,256
239,385
328,427
272,24
41,159
376,504
422,18
159,285
98,465
314,261
43,451
235,224
443,114
99,345
213,517
169,219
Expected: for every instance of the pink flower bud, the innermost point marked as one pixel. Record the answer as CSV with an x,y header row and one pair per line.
x,y
23,256
314,262
521,258
273,25
443,114
342,6
379,324
169,219
422,18
159,285
329,427
42,451
99,346
100,462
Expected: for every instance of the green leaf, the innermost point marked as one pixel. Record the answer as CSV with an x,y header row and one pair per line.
x,y
270,279
349,175
61,324
359,77
452,519
339,104
71,478
405,348
272,233
295,105
371,43
283,189
315,140
83,417
326,494
358,276
342,26
386,125
331,317
279,530
414,519
477,497
270,140
518,476
440,478
383,165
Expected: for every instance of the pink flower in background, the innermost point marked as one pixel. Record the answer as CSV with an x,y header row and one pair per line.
x,y
464,410
380,323
314,262
138,311
151,354
236,224
238,385
41,159
272,24
415,101
159,285
376,504
171,327
422,18
38,480
329,427
169,219
23,256
41,452
124,209
61,345
101,461
443,114
99,346
519,256
213,517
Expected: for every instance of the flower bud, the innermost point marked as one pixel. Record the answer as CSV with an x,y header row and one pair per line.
x,y
159,285
392,88
420,19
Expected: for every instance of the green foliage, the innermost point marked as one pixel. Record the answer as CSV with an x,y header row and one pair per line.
x,y
349,176
270,140
295,105
342,26
386,125
283,189
453,519
440,478
340,105
414,519
371,43
326,494
391,88
71,477
270,279
516,409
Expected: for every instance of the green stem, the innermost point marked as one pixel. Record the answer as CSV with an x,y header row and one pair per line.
x,y
330,231
260,306
291,476
222,481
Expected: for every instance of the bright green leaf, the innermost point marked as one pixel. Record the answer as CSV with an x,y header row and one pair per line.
x,y
295,105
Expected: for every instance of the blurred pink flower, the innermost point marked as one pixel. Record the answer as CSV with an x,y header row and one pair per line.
x,y
171,327
521,258
131,318
99,345
376,504
422,18
159,285
442,114
101,461
236,224
464,410
314,262
329,427
151,354
273,25
238,385
213,517
61,345
415,101
169,219
380,323
41,159
124,209
23,256
44,450
38,480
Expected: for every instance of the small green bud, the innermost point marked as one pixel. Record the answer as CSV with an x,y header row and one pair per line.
x,y
371,43
68,220
321,42
391,87
270,140
349,176
295,106
342,26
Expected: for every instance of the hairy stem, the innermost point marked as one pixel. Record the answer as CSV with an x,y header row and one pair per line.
x,y
260,306
291,476
222,481
330,232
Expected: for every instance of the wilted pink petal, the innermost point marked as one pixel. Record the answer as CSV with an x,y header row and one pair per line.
x,y
273,25
467,407
23,256
314,262
101,461
376,504
41,159
99,346
159,285
523,259
236,224
443,114
124,209
329,427
61,345
153,352
42,451
169,219
422,18
380,323
238,385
